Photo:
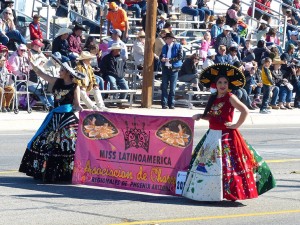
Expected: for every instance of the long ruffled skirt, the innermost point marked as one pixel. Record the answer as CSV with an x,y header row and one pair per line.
x,y
224,166
51,156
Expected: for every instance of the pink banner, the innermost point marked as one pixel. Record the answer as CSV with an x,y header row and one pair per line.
x,y
132,152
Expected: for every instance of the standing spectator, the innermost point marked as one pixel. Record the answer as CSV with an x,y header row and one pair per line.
x,y
190,7
211,54
6,86
116,35
267,81
224,38
109,69
205,45
117,17
8,31
138,49
74,40
171,58
159,43
189,73
60,43
36,32
296,84
89,85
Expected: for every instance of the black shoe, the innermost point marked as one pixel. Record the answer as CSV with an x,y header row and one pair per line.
x,y
251,107
4,110
172,107
8,109
196,97
164,107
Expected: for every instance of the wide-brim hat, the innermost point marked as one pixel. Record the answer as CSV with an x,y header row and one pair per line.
x,y
169,35
86,55
164,16
141,34
277,61
115,46
63,30
74,73
235,76
56,56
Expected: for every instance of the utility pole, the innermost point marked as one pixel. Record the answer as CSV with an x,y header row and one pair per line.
x,y
148,69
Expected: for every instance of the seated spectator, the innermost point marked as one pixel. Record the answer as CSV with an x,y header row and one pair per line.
x,y
6,85
189,73
36,32
285,91
217,29
62,9
138,6
116,38
288,57
271,36
108,67
163,6
296,84
253,82
94,50
117,17
232,56
8,31
209,14
138,49
161,23
224,38
189,7
293,40
262,30
260,51
90,42
205,45
60,43
19,62
264,6
38,57
9,4
89,85
221,56
247,54
74,41
168,27
241,93
232,15
211,54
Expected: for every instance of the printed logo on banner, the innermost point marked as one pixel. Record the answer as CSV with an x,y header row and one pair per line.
x,y
133,152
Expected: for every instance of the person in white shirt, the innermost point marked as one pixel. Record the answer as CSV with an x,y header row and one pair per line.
x,y
210,58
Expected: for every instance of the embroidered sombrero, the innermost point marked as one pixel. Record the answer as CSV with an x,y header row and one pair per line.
x,y
235,76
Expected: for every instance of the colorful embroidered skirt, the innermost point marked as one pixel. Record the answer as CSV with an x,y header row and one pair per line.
x,y
224,166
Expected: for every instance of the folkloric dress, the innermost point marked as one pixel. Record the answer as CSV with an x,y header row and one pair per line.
x,y
223,165
50,154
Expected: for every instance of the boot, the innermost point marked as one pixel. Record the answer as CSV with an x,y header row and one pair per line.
x,y
196,97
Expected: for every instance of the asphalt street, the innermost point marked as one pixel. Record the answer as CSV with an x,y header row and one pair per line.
x,y
27,201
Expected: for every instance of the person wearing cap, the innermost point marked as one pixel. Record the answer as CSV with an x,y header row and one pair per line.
x,y
109,69
8,31
293,40
161,22
225,177
138,49
19,61
117,17
224,38
7,88
189,73
49,155
74,40
171,58
36,32
221,56
211,54
60,43
89,85
116,35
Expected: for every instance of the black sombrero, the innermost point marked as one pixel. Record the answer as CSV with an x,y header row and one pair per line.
x,y
235,76
74,73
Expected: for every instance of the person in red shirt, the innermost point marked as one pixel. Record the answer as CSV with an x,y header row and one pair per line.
x,y
36,32
265,6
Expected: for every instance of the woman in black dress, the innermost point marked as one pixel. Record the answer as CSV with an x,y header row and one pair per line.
x,y
50,153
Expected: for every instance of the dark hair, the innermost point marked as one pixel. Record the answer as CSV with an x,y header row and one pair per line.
x,y
220,20
235,7
260,43
195,56
213,96
167,25
272,32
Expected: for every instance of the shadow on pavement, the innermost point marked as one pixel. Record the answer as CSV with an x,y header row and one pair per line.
x,y
89,193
